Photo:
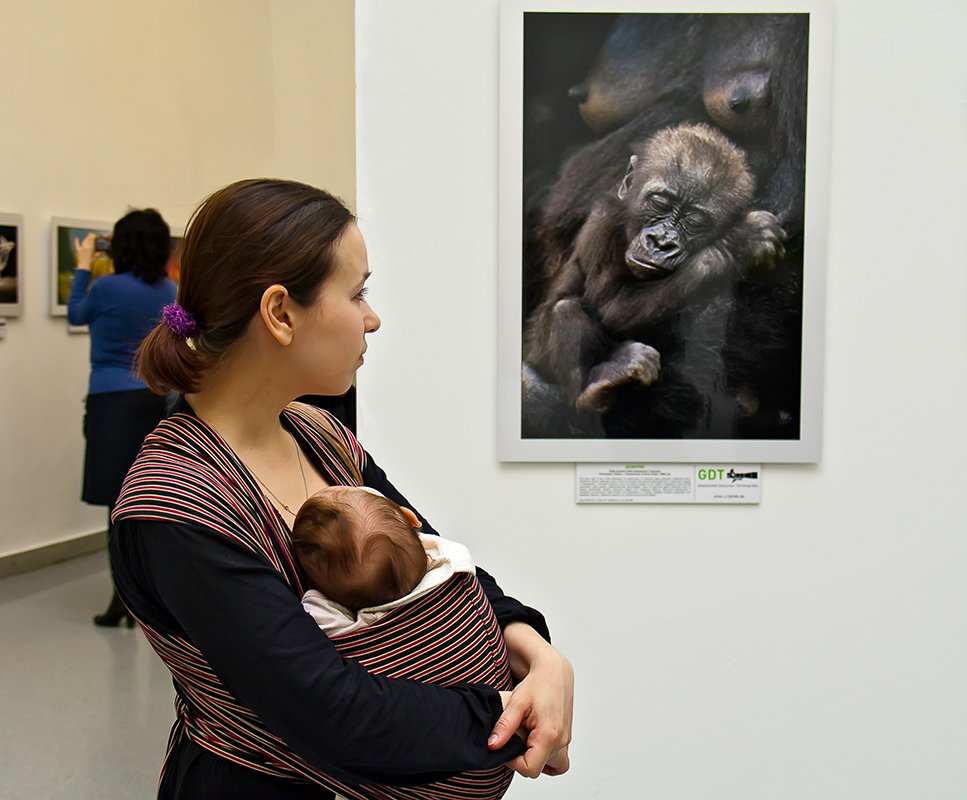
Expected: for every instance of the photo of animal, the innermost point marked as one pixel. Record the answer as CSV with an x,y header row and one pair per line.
x,y
662,207
11,289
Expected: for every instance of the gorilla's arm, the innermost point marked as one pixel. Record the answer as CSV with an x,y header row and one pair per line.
x,y
561,336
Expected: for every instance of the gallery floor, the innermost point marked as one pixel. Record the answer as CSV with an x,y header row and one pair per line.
x,y
85,710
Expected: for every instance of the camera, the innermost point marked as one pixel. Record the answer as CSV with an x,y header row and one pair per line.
x,y
102,244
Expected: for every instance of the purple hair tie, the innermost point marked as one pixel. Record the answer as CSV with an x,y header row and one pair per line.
x,y
180,321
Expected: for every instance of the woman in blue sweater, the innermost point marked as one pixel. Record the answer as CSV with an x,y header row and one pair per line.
x,y
120,310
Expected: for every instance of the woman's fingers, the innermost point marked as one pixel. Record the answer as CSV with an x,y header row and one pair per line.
x,y
541,758
539,749
541,707
84,251
87,243
558,763
508,724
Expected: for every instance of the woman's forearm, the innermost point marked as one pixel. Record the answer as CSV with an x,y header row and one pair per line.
x,y
541,706
524,646
78,303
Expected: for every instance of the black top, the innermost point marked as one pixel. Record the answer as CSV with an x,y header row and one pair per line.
x,y
250,625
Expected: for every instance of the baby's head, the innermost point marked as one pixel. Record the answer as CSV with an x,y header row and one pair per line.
x,y
357,547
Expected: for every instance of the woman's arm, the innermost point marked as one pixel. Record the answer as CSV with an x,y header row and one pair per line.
x,y
253,631
79,307
541,704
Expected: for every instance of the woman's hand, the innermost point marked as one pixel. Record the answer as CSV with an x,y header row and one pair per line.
x,y
85,251
557,764
540,707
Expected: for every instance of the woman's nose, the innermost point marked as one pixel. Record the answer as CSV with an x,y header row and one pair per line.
x,y
372,320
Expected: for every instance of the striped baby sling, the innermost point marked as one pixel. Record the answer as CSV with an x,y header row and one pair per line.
x,y
186,473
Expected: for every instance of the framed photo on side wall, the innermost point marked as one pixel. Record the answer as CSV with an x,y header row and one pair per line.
x,y
11,271
664,179
63,258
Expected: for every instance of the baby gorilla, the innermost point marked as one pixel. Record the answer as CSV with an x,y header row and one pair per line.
x,y
677,227
357,547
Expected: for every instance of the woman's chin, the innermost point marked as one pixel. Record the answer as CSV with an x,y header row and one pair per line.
x,y
339,391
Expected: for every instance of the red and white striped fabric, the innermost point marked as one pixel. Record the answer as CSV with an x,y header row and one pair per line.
x,y
447,636
186,473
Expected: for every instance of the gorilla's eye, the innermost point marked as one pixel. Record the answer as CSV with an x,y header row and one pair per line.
x,y
697,222
659,203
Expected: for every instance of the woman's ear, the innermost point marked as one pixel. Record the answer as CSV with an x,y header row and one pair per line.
x,y
275,309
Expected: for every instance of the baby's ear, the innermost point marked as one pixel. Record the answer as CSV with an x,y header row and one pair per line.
x,y
408,513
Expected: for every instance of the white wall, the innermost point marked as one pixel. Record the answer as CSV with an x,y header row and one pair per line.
x,y
810,647
108,104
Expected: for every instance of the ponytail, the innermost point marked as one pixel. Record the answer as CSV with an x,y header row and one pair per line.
x,y
166,362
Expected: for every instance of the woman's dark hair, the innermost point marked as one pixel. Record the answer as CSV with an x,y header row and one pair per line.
x,y
141,245
241,240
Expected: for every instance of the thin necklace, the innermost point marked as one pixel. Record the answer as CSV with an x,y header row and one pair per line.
x,y
305,485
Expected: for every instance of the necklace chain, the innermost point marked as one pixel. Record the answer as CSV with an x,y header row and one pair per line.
x,y
305,485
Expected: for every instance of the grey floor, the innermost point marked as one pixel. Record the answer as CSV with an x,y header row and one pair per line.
x,y
85,710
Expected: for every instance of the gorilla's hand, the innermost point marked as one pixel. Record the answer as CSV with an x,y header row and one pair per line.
x,y
631,362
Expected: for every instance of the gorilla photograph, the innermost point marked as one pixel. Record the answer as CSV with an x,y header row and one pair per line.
x,y
660,205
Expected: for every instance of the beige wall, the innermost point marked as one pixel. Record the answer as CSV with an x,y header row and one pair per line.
x,y
108,104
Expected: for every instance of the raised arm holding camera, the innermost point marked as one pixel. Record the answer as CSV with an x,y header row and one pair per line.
x,y
119,310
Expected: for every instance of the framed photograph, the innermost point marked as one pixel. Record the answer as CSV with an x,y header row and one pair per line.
x,y
63,259
11,273
663,217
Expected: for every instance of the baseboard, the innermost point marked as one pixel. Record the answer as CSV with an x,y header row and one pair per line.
x,y
37,557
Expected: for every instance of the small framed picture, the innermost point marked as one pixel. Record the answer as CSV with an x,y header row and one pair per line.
x,y
64,234
11,274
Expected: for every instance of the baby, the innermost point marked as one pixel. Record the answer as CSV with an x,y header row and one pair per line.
x,y
403,604
364,556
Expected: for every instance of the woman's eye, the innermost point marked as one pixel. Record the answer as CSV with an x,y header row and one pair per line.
x,y
362,293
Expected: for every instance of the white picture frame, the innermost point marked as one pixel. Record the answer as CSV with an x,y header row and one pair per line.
x,y
63,264
513,445
11,265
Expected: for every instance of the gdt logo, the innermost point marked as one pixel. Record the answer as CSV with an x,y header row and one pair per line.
x,y
738,476
712,473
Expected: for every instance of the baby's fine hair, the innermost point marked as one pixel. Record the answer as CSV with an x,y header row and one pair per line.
x,y
361,555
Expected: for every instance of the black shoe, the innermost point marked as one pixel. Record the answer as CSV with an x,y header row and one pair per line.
x,y
116,614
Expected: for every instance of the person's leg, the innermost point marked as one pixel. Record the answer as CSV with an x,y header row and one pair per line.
x,y
116,612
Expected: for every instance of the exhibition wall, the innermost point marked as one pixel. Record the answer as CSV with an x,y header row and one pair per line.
x,y
107,105
811,646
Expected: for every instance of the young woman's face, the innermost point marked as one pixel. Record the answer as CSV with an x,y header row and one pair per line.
x,y
338,321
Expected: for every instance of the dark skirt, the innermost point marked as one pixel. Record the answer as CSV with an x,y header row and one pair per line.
x,y
115,424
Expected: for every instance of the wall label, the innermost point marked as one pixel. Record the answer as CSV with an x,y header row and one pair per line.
x,y
667,483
